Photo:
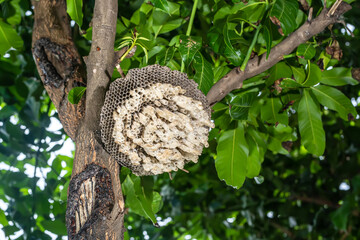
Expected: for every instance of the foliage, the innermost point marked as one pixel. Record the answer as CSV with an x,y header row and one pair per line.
x,y
76,94
286,140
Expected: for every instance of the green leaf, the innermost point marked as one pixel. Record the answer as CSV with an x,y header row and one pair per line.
x,y
145,52
140,15
240,106
278,135
7,111
132,200
204,75
215,39
314,75
223,118
323,60
310,124
171,25
234,55
315,166
329,3
8,38
162,4
164,57
268,40
334,100
125,21
140,197
218,110
145,195
290,83
75,94
157,202
306,50
188,48
338,77
3,220
10,230
270,112
167,26
63,193
14,130
57,226
299,74
252,11
285,11
257,149
74,9
88,34
158,18
341,215
220,72
15,18
232,154
280,70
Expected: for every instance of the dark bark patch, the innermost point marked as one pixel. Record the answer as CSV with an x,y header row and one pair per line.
x,y
90,201
356,73
55,61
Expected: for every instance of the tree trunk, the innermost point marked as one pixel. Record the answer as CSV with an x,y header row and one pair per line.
x,y
95,208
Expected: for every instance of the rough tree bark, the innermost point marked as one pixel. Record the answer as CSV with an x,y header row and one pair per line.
x,y
95,203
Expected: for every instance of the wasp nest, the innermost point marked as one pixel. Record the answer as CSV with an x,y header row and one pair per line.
x,y
155,120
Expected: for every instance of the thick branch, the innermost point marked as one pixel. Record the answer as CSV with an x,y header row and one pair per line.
x,y
57,60
100,63
234,79
96,206
91,213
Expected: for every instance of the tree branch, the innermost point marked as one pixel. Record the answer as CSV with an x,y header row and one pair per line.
x,y
282,229
100,63
95,202
315,200
321,202
57,60
234,79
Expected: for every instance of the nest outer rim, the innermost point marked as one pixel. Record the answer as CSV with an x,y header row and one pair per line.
x,y
135,79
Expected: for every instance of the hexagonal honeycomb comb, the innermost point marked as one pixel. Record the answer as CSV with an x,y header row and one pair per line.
x,y
155,120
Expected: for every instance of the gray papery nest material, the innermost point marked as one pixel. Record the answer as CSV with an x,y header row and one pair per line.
x,y
155,120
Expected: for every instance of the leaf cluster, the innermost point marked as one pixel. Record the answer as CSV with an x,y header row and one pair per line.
x,y
286,143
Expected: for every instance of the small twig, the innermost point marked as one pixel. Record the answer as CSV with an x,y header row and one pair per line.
x,y
119,54
118,68
170,176
344,24
315,200
117,60
333,8
347,233
184,170
310,14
